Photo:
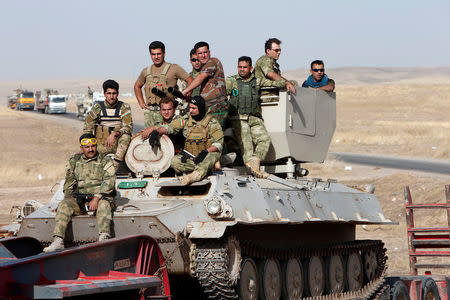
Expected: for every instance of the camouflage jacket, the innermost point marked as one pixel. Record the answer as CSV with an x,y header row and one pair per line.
x,y
93,118
215,133
96,176
263,66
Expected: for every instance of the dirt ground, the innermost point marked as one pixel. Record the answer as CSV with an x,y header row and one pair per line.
x,y
408,120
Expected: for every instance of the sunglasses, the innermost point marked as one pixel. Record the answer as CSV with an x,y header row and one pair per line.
x,y
276,50
319,70
84,142
194,59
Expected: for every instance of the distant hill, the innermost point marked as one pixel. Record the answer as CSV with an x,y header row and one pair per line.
x,y
368,75
342,76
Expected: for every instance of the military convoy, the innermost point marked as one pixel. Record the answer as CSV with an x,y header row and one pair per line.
x,y
50,102
21,100
237,236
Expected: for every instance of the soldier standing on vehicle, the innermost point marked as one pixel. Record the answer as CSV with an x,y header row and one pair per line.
x,y
246,118
211,81
111,122
156,79
203,142
196,69
267,70
90,180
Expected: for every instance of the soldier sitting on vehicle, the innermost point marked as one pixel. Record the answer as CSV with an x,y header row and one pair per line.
x,y
246,118
111,122
318,79
203,142
167,109
90,179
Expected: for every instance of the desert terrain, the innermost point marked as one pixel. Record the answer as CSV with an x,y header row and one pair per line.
x,y
391,112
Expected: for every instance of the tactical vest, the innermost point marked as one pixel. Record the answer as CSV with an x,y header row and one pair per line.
x,y
109,118
197,135
158,81
245,99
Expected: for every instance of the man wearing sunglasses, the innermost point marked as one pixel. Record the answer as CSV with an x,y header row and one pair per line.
x,y
196,69
318,79
267,70
111,122
156,79
211,81
89,184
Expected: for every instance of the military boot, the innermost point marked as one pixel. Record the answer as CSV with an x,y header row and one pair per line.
x,y
103,236
254,166
190,178
57,244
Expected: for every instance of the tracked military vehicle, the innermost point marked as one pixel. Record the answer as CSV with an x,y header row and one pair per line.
x,y
240,237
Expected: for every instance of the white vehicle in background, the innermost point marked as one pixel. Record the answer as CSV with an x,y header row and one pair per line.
x,y
51,102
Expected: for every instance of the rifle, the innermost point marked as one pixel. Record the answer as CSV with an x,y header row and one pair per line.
x,y
82,198
186,155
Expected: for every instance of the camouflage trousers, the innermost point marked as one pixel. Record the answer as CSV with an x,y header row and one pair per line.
x,y
251,131
69,207
219,111
203,168
152,117
119,149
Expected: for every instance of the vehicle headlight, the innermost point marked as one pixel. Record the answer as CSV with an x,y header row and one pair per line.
x,y
213,207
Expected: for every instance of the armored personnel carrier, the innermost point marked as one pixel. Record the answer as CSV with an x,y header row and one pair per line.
x,y
287,236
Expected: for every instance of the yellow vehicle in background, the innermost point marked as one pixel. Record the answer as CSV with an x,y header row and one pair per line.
x,y
25,100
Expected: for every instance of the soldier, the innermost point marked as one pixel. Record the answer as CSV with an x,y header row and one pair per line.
x,y
318,79
196,68
156,79
267,70
90,179
246,118
111,122
203,140
212,83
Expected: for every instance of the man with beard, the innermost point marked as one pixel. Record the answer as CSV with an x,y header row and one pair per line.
x,y
203,140
318,79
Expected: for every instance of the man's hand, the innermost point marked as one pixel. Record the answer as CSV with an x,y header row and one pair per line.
x,y
145,133
154,138
93,204
111,140
290,87
200,157
143,105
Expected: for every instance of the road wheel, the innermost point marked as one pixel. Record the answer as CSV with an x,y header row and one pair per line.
x,y
399,291
293,279
370,264
249,280
355,274
271,284
335,274
315,276
430,290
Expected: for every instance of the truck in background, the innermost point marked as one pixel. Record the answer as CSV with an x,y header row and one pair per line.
x,y
50,102
25,100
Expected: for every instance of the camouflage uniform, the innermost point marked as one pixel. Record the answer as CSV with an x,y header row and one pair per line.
x,y
213,90
246,119
263,66
177,139
120,121
195,92
94,176
213,136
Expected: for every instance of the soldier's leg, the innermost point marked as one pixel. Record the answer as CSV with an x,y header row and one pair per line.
x,y
122,147
182,167
259,136
104,216
207,164
67,208
152,117
243,135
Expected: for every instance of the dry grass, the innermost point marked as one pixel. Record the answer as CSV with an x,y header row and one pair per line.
x,y
409,120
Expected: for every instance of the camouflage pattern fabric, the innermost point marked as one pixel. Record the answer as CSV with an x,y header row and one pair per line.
x,y
220,112
177,139
249,131
125,128
213,88
265,65
152,118
196,91
69,207
203,168
119,149
84,175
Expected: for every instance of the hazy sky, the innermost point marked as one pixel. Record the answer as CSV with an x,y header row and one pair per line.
x,y
109,39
